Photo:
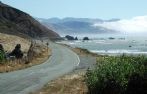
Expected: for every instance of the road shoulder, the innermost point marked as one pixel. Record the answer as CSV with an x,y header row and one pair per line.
x,y
73,82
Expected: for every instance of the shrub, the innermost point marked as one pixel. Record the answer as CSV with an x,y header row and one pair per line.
x,y
137,84
17,52
111,75
2,56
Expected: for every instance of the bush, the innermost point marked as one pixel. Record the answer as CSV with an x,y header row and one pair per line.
x,y
112,74
2,56
17,52
137,85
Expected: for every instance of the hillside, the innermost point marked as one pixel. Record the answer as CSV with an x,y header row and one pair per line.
x,y
76,25
16,22
10,64
10,41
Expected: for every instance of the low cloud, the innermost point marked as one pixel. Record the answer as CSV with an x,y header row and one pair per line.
x,y
134,25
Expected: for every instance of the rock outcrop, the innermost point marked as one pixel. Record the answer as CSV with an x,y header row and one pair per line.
x,y
68,37
85,38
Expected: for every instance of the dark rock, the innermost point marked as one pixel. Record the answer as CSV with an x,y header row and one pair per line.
x,y
85,38
76,38
111,38
121,38
68,37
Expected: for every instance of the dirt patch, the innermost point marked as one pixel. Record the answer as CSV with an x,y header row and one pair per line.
x,y
68,84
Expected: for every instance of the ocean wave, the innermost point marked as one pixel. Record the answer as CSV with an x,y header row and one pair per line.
x,y
118,51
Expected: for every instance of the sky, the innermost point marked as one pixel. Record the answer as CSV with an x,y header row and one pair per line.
x,y
103,9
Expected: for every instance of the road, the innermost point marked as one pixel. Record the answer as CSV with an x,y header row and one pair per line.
x,y
62,61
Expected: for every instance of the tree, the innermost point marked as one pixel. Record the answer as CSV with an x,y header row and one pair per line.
x,y
17,52
2,53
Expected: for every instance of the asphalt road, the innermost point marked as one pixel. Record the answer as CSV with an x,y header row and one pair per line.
x,y
31,79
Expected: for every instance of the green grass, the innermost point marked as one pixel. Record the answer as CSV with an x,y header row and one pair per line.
x,y
114,70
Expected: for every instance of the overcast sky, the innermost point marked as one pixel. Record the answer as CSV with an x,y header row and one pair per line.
x,y
104,9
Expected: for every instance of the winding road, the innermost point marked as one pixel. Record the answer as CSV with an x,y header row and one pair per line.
x,y
62,61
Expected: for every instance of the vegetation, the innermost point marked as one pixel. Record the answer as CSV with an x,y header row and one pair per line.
x,y
17,52
85,50
118,75
16,60
2,56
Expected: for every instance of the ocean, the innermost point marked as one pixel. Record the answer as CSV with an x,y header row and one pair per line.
x,y
112,44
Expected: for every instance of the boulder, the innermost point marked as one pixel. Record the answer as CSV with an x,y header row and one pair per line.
x,y
76,38
85,38
68,37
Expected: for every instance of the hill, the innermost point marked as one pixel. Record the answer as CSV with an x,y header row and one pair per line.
x,y
76,25
16,22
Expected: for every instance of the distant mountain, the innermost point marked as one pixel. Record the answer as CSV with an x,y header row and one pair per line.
x,y
112,20
16,22
76,25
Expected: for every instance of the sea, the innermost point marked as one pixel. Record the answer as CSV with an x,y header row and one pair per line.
x,y
112,44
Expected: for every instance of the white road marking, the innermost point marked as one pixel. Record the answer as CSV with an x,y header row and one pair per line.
x,y
77,58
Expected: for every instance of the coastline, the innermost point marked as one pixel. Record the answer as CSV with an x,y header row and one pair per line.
x,y
103,50
62,85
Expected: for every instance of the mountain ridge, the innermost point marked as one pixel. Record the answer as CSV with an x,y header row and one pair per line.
x,y
71,25
17,22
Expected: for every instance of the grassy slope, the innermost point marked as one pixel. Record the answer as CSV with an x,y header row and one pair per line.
x,y
69,84
9,42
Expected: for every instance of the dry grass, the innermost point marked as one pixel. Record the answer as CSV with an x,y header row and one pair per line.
x,y
84,52
81,51
10,41
68,84
18,65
